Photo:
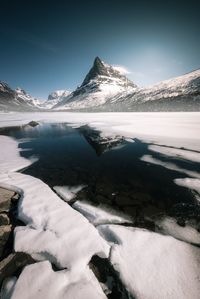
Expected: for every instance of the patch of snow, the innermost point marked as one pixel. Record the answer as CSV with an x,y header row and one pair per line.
x,y
175,152
10,159
41,282
169,226
51,225
153,266
100,214
168,165
193,184
68,192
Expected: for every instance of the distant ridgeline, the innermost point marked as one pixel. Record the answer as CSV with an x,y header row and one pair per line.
x,y
104,88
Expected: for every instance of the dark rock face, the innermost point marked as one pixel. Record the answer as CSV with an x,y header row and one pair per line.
x,y
11,263
106,274
99,68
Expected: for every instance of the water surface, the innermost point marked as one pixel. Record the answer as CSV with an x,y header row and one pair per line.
x,y
113,173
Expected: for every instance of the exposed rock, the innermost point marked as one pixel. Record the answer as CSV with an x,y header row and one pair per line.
x,y
4,219
33,123
15,198
5,199
109,278
13,264
5,232
8,287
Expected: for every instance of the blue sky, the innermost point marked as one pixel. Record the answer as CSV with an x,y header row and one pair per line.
x,y
51,45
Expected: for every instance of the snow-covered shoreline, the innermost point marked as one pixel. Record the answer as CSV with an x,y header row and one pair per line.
x,y
178,129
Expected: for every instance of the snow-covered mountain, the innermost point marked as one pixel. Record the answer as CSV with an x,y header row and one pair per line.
x,y
55,97
178,94
101,85
23,95
106,89
16,100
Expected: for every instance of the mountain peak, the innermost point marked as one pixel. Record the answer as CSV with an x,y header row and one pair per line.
x,y
58,94
97,60
97,69
106,72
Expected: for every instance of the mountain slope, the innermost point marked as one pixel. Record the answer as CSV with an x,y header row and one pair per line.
x,y
16,100
178,94
105,89
101,84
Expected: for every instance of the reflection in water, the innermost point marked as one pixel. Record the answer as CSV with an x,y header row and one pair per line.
x,y
114,175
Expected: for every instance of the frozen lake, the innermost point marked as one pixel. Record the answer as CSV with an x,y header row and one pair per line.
x,y
111,170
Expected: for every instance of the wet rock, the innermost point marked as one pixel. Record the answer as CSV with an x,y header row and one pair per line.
x,y
5,232
15,198
5,199
13,264
8,220
181,222
8,287
4,219
109,278
33,123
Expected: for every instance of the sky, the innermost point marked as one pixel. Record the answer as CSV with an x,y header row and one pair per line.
x,y
50,45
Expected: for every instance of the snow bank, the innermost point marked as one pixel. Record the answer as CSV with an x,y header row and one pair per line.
x,y
153,266
193,184
54,230
168,226
100,214
175,152
169,165
41,282
10,159
68,192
